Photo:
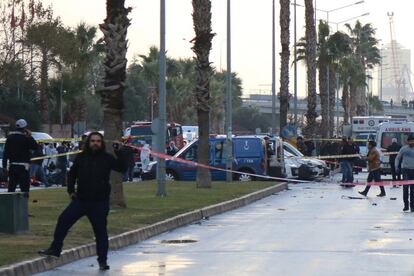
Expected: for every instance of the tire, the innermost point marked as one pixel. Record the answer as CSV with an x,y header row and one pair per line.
x,y
244,177
171,176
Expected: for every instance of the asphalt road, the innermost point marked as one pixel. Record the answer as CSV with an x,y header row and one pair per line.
x,y
312,229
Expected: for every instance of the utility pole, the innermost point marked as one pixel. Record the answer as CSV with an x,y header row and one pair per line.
x,y
161,135
273,68
295,103
229,144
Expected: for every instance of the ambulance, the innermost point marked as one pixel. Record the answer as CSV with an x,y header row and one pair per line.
x,y
364,128
388,131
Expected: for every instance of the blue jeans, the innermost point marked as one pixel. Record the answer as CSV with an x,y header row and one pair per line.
x,y
408,190
346,167
38,169
129,173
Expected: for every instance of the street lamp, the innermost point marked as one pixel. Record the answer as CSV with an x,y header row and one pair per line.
x,y
349,19
229,146
274,68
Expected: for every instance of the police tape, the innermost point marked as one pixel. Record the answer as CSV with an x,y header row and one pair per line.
x,y
57,140
334,139
55,155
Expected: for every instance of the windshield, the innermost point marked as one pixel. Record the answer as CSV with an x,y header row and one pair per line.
x,y
184,148
292,149
362,139
141,130
386,138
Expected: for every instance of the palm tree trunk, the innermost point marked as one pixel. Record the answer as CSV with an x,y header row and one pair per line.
x,y
332,100
360,108
353,100
285,55
115,29
201,48
44,94
323,87
346,103
311,114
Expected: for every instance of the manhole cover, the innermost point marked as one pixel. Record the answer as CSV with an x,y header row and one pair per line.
x,y
178,241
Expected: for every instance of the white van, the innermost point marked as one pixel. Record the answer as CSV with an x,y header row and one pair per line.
x,y
386,132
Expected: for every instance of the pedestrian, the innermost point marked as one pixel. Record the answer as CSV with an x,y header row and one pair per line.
x,y
394,148
354,160
391,103
406,153
172,149
36,168
374,168
346,166
16,157
128,153
62,163
300,145
91,172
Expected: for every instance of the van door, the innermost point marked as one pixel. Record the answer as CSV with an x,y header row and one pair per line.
x,y
187,172
218,159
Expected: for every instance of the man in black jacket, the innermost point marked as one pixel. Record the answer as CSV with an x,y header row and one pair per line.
x,y
16,157
91,172
394,147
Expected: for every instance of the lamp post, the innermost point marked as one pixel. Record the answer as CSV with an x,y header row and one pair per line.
x,y
273,68
162,123
295,74
229,144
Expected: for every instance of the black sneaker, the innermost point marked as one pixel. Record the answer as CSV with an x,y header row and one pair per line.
x,y
363,193
103,266
381,195
49,252
406,209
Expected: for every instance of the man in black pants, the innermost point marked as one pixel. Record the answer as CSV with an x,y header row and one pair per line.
x,y
406,153
16,157
91,171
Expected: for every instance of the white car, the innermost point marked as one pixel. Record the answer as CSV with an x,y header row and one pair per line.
x,y
294,159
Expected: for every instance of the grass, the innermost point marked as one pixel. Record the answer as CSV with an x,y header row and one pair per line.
x,y
144,208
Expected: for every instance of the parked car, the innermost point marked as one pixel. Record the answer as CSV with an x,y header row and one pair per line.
x,y
303,168
249,156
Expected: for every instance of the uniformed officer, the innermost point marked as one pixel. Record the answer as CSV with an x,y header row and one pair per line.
x,y
16,157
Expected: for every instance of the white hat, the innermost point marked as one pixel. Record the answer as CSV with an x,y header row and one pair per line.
x,y
21,123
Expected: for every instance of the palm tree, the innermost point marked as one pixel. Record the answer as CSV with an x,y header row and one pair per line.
x,y
311,114
364,47
201,48
285,55
115,29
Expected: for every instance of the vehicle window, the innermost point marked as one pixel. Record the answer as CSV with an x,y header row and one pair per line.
x,y
219,155
144,130
362,140
386,138
292,150
191,154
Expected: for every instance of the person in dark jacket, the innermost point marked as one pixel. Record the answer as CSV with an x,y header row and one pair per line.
x,y
91,172
16,157
394,147
346,162
62,163
36,166
128,154
300,145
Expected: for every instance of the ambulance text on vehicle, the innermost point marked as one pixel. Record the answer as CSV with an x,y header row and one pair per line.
x,y
388,131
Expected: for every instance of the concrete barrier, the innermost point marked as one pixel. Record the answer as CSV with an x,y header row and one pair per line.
x,y
135,236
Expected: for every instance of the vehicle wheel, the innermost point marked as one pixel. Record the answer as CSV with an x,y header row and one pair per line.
x,y
171,176
244,177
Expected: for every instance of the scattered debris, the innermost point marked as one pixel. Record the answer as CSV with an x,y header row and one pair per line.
x,y
177,241
393,198
34,201
281,209
374,204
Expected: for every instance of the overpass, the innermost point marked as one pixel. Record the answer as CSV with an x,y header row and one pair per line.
x,y
265,106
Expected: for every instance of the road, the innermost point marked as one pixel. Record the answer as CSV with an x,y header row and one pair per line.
x,y
311,229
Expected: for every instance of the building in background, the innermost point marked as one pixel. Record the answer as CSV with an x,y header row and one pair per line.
x,y
395,73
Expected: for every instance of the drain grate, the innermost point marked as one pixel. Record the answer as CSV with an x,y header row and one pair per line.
x,y
177,241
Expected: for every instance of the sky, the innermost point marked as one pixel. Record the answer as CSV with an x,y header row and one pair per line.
x,y
251,30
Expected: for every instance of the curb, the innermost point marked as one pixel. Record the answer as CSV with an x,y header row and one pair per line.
x,y
42,264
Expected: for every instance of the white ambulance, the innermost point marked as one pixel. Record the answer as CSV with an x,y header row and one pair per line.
x,y
386,132
364,128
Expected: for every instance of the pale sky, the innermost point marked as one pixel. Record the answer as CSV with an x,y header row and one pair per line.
x,y
251,27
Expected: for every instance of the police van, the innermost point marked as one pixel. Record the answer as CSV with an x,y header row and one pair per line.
x,y
386,133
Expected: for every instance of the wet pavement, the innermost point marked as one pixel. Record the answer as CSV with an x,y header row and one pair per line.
x,y
311,229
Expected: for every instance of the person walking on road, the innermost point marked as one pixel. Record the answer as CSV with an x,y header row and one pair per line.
x,y
394,147
91,172
374,168
16,157
407,166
